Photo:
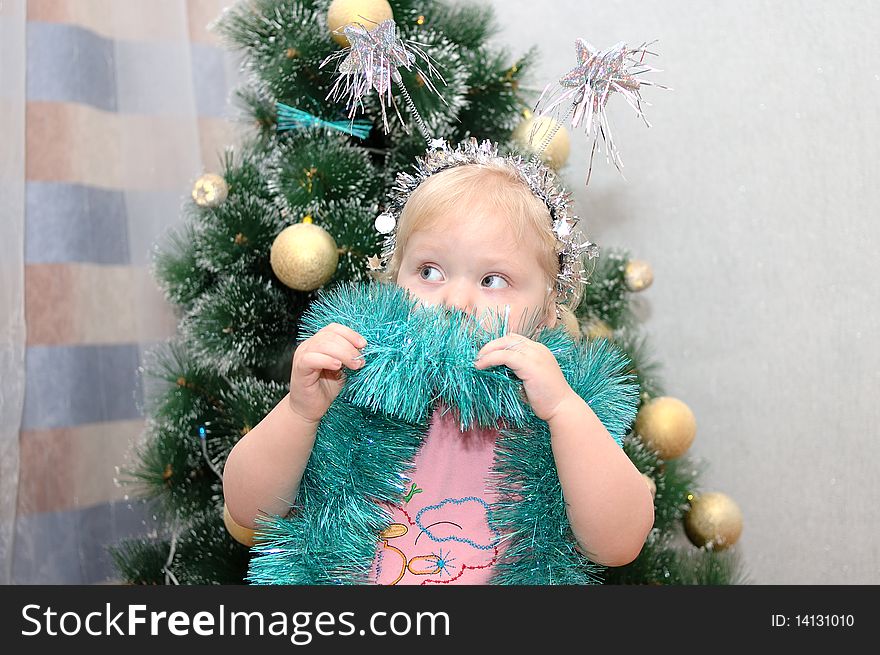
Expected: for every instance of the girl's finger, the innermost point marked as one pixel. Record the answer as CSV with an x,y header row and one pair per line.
x,y
347,333
513,359
341,349
324,340
313,363
510,341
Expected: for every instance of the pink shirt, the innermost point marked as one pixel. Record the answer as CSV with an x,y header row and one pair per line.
x,y
440,531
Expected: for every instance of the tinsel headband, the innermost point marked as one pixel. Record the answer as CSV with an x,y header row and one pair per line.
x,y
538,177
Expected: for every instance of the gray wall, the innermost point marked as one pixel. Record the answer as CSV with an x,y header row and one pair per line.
x,y
754,197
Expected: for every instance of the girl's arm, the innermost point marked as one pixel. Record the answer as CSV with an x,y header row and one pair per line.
x,y
609,506
264,469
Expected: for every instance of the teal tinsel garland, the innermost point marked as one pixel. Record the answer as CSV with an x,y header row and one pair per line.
x,y
415,358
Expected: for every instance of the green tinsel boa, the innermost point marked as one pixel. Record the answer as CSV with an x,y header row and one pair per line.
x,y
416,357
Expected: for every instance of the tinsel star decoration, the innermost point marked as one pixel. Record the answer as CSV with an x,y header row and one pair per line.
x,y
371,62
374,263
583,92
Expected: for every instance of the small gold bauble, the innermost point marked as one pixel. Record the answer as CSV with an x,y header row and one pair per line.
x,y
571,325
366,12
638,275
304,256
651,484
556,153
667,426
596,328
241,534
210,190
714,520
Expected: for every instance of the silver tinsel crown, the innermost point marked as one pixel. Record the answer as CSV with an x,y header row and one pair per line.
x,y
541,180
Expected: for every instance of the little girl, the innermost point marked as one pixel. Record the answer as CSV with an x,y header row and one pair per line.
x,y
473,237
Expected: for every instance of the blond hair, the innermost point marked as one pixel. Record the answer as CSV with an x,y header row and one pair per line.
x,y
498,186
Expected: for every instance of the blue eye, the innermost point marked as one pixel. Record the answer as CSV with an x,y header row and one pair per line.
x,y
495,282
425,272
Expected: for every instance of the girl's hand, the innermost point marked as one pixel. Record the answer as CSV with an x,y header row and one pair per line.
x,y
317,377
545,386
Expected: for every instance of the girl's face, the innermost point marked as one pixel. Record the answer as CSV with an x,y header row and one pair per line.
x,y
474,263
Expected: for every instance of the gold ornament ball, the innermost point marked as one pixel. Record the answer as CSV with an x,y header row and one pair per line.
x,y
638,275
597,329
210,190
667,426
651,484
241,534
714,520
304,256
366,12
571,325
556,153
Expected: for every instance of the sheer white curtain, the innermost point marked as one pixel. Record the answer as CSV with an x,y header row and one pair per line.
x,y
12,335
108,113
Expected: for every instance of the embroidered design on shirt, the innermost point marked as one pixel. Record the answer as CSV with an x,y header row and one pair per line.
x,y
413,490
426,513
420,551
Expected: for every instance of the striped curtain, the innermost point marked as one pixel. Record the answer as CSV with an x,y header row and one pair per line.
x,y
111,109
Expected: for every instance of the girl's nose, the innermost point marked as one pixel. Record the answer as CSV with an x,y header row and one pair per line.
x,y
458,295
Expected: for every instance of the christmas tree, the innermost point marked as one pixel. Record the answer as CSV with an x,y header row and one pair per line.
x,y
291,212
